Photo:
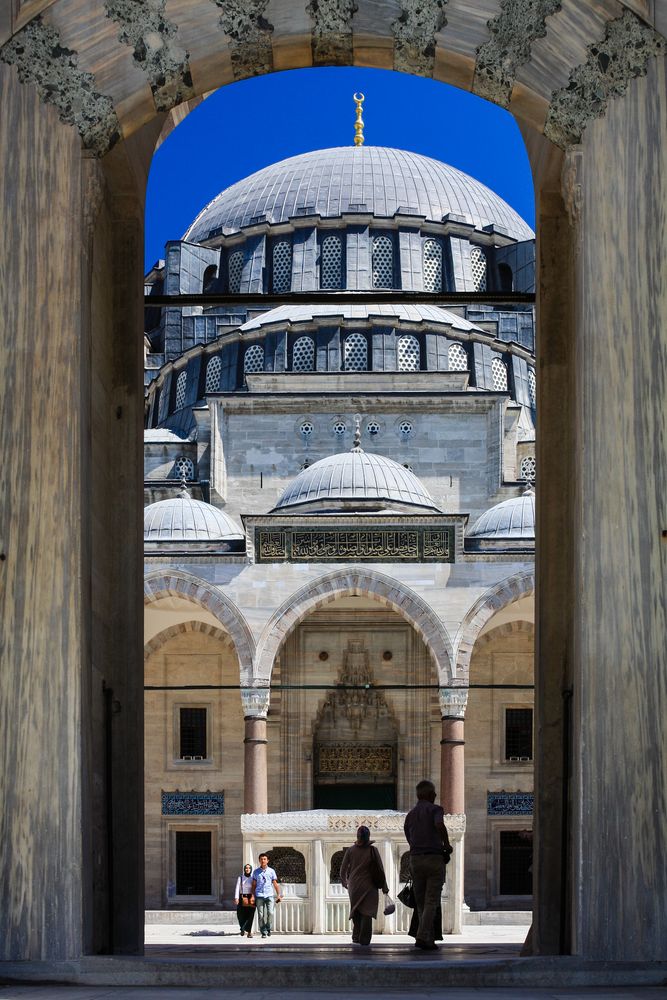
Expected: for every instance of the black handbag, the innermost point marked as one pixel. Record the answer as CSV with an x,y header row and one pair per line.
x,y
407,895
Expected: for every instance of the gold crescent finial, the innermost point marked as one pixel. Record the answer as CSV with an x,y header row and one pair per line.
x,y
359,123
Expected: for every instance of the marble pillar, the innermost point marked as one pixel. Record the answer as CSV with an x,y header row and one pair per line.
x,y
453,704
255,709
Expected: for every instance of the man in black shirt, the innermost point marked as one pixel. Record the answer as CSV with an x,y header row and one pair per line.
x,y
426,833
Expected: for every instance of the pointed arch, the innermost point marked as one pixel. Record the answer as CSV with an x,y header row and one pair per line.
x,y
159,640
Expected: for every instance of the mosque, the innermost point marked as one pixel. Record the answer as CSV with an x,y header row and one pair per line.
x,y
339,533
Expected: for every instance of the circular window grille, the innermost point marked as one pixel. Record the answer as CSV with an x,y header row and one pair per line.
x,y
356,353
339,427
181,382
373,427
331,262
282,266
303,355
432,265
478,268
532,385
184,468
306,428
213,369
499,375
383,262
405,428
234,270
408,354
253,359
457,359
528,468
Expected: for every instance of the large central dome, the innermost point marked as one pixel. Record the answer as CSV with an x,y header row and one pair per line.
x,y
364,179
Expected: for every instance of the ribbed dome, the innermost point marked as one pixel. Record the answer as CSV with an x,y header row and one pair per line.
x,y
513,518
182,519
355,476
366,179
389,311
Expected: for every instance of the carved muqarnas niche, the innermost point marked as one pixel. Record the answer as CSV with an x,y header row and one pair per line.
x,y
353,704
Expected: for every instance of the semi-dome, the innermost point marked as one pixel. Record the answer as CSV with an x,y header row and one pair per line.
x,y
372,180
288,315
512,519
183,519
356,479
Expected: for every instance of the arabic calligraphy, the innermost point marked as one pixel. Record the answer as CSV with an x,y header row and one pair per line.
x,y
340,544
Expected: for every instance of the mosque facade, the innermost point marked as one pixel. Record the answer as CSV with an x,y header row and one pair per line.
x,y
339,530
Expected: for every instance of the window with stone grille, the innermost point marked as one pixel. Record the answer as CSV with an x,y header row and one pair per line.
x,y
528,468
409,354
288,864
234,271
499,375
457,358
282,266
213,369
253,359
184,468
306,429
516,862
193,863
331,262
339,427
192,733
373,427
519,734
432,265
478,268
383,262
532,386
303,355
405,428
334,867
356,353
181,383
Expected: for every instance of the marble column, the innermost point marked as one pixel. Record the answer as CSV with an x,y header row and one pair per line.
x,y
452,757
255,709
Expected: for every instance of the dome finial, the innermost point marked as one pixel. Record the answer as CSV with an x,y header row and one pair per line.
x,y
184,493
357,433
359,123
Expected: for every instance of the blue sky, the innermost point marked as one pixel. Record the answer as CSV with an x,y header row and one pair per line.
x,y
247,125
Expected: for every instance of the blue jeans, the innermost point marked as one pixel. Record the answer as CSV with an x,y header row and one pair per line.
x,y
265,906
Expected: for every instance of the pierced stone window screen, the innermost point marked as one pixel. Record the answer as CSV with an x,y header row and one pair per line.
x,y
457,359
193,863
213,369
518,734
405,428
253,359
306,429
516,859
303,355
528,468
181,383
339,427
499,375
331,262
478,269
334,867
288,864
282,266
192,733
404,867
234,271
432,266
383,262
184,468
532,385
373,427
356,353
409,355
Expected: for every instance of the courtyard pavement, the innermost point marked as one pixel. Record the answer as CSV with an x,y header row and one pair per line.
x,y
263,991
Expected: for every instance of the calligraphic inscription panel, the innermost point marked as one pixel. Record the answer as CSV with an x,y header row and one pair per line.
x,y
351,758
193,803
384,544
509,803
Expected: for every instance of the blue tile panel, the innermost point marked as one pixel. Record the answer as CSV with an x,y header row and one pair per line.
x,y
193,803
509,803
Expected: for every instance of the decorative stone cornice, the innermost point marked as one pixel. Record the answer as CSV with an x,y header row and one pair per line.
x,y
244,23
146,28
332,31
619,57
255,702
338,821
453,702
41,60
513,32
414,35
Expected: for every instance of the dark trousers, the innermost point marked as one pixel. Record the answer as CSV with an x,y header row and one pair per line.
x,y
428,878
246,916
362,928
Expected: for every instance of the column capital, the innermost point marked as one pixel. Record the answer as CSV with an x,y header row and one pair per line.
x,y
255,702
453,702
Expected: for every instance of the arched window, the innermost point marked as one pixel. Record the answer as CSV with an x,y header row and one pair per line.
x,y
282,266
532,386
383,262
184,468
331,262
528,468
506,278
303,355
408,354
253,359
234,271
356,353
499,375
478,269
432,265
179,398
213,369
457,359
334,867
210,275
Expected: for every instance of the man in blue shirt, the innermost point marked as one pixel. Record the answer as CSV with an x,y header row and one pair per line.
x,y
264,881
426,833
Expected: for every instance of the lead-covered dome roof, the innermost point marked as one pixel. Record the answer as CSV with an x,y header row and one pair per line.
x,y
363,179
512,519
183,519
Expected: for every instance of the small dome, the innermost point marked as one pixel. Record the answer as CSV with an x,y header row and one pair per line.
x,y
182,519
355,478
510,519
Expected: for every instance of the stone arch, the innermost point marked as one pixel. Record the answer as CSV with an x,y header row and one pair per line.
x,y
190,588
159,640
364,583
507,629
504,593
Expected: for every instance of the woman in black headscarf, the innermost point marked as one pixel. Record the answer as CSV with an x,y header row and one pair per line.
x,y
362,874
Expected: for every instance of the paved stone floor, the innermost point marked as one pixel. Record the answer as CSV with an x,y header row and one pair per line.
x,y
266,992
